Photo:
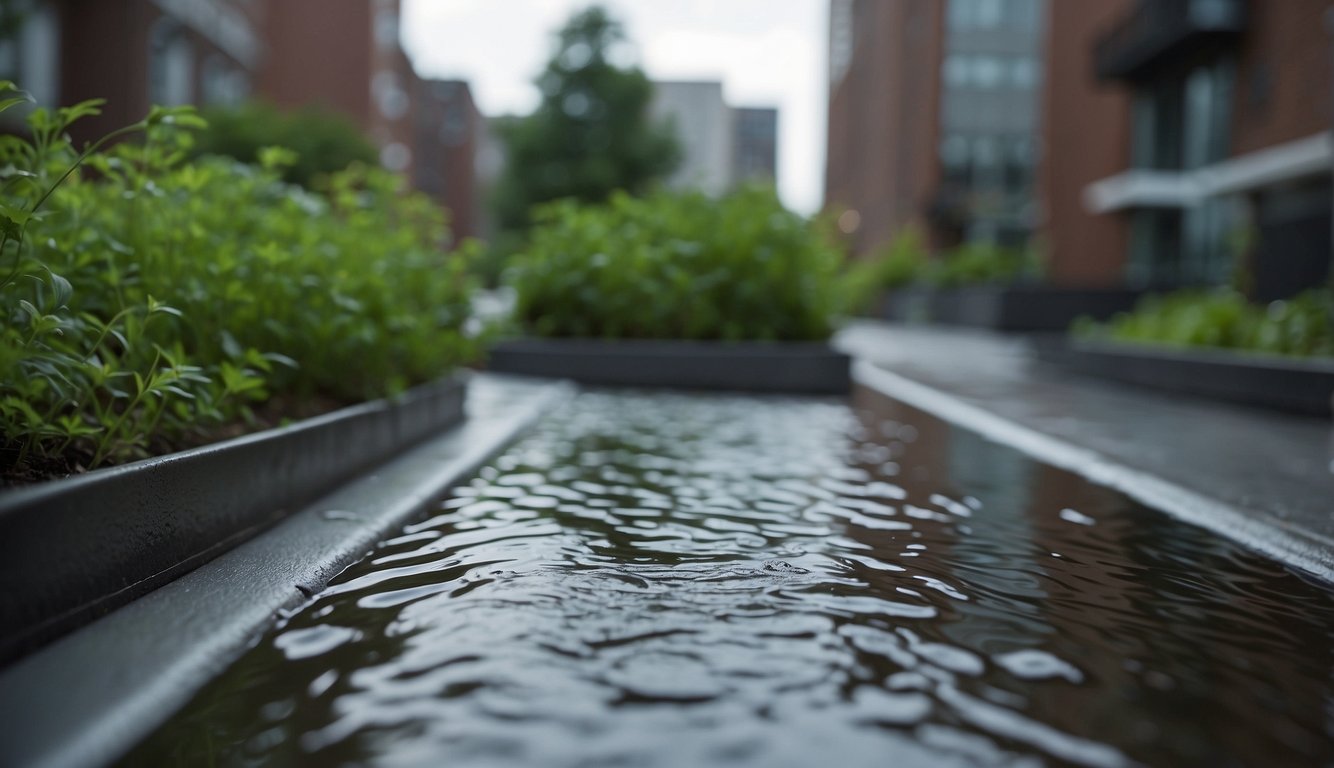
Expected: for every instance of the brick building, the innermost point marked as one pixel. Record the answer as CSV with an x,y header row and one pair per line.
x,y
1143,141
341,55
451,133
1229,150
884,115
135,53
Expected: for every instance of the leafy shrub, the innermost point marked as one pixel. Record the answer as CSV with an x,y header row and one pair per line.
x,y
1302,326
147,301
323,143
975,263
677,265
901,262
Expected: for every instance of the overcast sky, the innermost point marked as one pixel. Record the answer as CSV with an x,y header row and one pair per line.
x,y
766,53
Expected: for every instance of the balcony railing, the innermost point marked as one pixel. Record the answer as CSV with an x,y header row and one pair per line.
x,y
1156,29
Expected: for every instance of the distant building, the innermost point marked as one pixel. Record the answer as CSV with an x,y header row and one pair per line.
x,y
882,170
1229,144
135,53
349,61
1144,141
755,144
450,137
291,53
720,145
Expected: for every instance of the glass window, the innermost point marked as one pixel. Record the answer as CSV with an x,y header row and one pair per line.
x,y
988,13
962,13
1023,72
956,70
987,71
171,65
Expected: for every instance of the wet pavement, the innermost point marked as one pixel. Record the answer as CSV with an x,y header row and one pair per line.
x,y
1274,469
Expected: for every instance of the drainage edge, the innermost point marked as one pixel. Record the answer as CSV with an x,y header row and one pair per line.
x,y
1252,528
91,696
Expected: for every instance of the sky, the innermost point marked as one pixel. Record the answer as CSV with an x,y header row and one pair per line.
x,y
765,52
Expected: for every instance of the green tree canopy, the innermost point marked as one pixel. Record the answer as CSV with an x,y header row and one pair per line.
x,y
591,135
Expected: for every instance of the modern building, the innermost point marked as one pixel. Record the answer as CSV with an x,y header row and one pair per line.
x,y
755,144
721,146
1149,142
990,74
1229,145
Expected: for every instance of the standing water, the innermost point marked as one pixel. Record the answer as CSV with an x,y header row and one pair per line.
x,y
666,579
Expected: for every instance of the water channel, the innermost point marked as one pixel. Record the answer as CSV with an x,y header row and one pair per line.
x,y
708,580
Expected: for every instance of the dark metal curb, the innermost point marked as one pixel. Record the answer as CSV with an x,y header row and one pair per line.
x,y
89,697
1007,307
1286,384
72,550
752,366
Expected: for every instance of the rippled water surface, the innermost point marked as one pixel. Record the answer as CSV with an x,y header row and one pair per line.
x,y
662,579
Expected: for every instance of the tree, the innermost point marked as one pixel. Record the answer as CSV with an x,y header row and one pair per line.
x,y
591,134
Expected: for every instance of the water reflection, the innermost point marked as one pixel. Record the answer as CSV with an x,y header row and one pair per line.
x,y
696,580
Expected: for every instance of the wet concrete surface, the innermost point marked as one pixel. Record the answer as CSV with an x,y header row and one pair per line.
x,y
1274,469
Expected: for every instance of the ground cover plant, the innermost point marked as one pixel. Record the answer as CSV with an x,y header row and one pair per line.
x,y
150,302
677,265
1301,326
905,261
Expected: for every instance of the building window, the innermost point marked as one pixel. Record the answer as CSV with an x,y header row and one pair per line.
x,y
1023,72
171,64
30,53
987,71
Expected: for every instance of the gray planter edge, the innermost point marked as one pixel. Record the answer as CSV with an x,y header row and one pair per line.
x,y
89,697
1288,384
74,549
750,366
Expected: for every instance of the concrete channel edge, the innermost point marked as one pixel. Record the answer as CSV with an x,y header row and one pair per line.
x,y
89,697
1252,528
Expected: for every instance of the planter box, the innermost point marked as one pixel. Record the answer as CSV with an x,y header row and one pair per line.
x,y
1007,307
809,368
1288,384
73,549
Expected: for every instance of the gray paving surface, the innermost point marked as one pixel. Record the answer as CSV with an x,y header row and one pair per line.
x,y
1274,468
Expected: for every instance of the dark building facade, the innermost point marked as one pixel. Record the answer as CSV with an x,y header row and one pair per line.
x,y
1228,174
1150,142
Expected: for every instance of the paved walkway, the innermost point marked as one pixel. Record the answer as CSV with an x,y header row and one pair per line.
x,y
1262,477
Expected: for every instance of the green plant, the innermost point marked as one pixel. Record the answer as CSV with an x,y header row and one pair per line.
x,y
903,261
980,262
677,265
322,143
149,300
1301,326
